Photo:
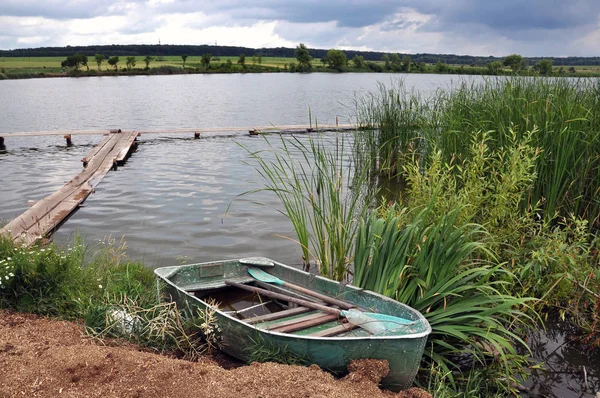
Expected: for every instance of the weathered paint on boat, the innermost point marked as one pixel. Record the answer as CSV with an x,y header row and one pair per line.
x,y
402,351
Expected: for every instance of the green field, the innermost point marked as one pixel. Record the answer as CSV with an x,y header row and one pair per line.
x,y
52,64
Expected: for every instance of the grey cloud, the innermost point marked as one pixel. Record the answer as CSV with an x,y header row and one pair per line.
x,y
356,13
55,9
509,16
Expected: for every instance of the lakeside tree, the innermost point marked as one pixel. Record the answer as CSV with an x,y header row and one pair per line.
x,y
405,64
359,62
421,66
441,67
337,59
147,60
99,58
242,59
514,61
113,61
396,63
84,61
324,61
544,67
205,60
386,61
184,58
304,58
74,61
130,62
494,68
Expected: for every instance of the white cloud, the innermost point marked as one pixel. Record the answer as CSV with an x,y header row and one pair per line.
x,y
407,26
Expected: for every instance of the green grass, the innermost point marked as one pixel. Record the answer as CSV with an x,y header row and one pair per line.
x,y
115,297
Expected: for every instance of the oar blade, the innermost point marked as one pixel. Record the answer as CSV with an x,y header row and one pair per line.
x,y
262,276
379,324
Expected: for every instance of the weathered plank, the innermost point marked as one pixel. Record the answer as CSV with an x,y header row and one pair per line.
x,y
126,148
305,324
45,215
340,127
97,148
277,315
286,322
339,329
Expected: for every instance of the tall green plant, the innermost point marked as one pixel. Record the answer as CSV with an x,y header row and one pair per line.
x,y
432,266
322,194
563,114
390,122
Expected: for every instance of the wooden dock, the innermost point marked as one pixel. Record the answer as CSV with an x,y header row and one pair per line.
x,y
47,214
264,129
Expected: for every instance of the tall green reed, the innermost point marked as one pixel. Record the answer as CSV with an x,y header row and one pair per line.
x,y
322,194
432,265
564,115
389,122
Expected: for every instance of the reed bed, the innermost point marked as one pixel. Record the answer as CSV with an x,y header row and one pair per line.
x,y
564,115
322,194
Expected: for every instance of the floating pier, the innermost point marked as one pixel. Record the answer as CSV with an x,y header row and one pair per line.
x,y
47,214
294,128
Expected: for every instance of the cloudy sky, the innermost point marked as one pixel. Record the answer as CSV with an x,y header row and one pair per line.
x,y
474,27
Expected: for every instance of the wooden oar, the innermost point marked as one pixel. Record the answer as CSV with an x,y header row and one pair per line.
x,y
372,322
262,276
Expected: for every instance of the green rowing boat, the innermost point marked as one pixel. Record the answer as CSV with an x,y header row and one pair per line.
x,y
322,321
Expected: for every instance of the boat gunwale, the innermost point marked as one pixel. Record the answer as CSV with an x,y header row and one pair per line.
x,y
418,335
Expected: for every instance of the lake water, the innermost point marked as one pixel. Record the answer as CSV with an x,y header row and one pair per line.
x,y
169,201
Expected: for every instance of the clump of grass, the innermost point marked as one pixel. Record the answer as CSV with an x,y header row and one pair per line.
x,y
433,266
390,122
322,194
115,297
161,326
43,280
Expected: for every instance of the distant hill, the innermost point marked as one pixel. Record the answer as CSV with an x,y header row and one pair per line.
x,y
164,50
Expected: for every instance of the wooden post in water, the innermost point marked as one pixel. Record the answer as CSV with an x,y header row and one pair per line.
x,y
69,141
196,135
2,146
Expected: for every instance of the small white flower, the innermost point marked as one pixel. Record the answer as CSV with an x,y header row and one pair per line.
x,y
42,250
8,258
11,274
100,286
6,277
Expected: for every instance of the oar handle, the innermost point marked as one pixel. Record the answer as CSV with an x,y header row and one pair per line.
x,y
268,293
330,300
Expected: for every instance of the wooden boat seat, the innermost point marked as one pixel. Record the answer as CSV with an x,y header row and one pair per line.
x,y
277,315
217,283
333,331
299,323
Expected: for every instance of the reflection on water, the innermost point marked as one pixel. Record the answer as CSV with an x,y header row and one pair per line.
x,y
568,369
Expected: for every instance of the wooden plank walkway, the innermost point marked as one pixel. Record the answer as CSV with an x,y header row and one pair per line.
x,y
45,215
271,128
